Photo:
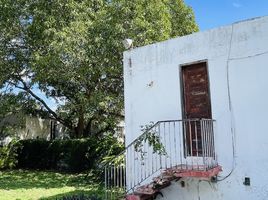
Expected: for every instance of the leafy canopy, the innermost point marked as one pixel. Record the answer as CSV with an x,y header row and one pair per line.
x,y
71,50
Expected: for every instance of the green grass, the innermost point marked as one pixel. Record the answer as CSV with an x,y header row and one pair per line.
x,y
39,185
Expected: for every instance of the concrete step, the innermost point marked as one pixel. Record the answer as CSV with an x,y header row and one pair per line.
x,y
150,191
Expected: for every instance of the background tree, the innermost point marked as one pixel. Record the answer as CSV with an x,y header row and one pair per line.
x,y
71,50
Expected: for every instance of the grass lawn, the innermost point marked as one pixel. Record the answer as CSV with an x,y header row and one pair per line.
x,y
39,185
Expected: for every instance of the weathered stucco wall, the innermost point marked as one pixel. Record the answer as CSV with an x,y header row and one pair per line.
x,y
237,58
35,128
40,128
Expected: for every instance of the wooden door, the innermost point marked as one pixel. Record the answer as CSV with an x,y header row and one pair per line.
x,y
196,105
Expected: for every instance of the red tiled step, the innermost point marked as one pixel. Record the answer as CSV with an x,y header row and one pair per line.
x,y
149,191
145,189
200,174
140,197
163,178
132,197
158,184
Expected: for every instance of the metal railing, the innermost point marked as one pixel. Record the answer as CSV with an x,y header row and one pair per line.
x,y
187,144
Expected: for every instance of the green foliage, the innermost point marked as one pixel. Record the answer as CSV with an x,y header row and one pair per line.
x,y
149,135
109,147
9,155
116,160
72,51
66,155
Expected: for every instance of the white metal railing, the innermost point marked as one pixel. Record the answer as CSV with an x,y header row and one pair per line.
x,y
187,144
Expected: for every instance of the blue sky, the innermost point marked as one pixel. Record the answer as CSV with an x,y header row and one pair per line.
x,y
214,13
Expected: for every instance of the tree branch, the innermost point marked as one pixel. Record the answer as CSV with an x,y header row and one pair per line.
x,y
107,128
54,114
115,114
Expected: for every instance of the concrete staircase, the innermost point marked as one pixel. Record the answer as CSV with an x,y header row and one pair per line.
x,y
152,190
187,149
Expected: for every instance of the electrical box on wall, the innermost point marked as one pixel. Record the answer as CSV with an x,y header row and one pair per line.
x,y
247,181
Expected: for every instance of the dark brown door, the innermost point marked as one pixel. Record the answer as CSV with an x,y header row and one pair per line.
x,y
196,105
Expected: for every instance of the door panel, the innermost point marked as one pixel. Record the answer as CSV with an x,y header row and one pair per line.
x,y
196,105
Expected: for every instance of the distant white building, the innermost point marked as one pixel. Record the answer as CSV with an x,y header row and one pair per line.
x,y
38,128
29,127
207,96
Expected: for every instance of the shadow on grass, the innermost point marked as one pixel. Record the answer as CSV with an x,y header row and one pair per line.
x,y
94,192
24,179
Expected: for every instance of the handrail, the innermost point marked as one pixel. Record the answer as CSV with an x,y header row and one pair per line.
x,y
133,142
153,126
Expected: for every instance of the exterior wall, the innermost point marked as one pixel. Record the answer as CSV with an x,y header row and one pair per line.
x,y
31,128
35,128
40,128
237,57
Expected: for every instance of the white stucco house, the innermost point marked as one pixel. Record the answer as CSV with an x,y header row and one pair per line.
x,y
31,127
206,94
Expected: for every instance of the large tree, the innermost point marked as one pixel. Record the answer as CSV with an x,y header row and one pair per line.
x,y
71,50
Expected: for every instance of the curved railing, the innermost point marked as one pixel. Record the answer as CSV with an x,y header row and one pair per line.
x,y
188,144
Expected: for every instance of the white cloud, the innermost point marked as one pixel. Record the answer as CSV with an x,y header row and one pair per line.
x,y
237,5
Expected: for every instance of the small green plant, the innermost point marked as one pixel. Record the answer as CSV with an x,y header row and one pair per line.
x,y
149,135
117,160
9,155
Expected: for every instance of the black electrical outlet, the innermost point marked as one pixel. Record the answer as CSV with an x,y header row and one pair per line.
x,y
247,181
182,184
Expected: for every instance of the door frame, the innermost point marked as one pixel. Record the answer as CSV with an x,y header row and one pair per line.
x,y
182,99
182,88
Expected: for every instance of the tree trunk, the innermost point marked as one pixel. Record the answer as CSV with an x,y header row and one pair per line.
x,y
80,126
87,131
